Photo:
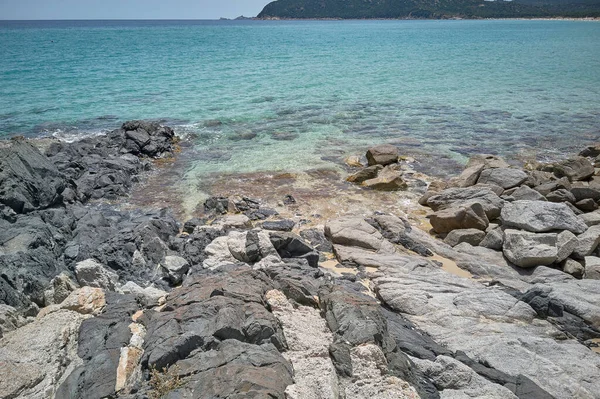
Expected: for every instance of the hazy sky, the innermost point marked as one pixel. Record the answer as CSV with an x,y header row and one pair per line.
x,y
128,9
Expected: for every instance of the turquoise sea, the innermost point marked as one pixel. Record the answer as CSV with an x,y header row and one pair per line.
x,y
293,95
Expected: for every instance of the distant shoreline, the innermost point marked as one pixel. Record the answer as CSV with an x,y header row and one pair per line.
x,y
590,19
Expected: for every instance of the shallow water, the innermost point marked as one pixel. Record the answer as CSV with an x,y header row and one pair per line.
x,y
291,95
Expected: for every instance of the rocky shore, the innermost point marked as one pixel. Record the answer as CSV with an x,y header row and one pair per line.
x,y
495,294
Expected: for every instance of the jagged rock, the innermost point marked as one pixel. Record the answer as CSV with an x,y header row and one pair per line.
x,y
289,245
452,197
384,154
388,179
566,243
279,225
317,239
93,274
592,268
470,216
174,268
488,161
493,239
503,177
587,242
10,319
573,268
574,169
561,195
85,300
365,174
470,236
538,216
468,177
526,249
526,193
36,358
191,225
28,180
60,288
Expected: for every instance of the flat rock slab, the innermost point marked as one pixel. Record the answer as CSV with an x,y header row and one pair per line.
x,y
503,177
539,217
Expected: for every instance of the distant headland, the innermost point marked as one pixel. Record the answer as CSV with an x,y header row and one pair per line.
x,y
429,9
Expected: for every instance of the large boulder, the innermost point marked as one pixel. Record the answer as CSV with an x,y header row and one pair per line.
x,y
527,250
470,216
574,169
539,217
503,177
384,154
468,177
587,242
526,193
28,180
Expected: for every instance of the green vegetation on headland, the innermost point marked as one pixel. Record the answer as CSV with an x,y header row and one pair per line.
x,y
429,9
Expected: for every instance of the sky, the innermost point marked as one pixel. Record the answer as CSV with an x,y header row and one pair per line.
x,y
129,9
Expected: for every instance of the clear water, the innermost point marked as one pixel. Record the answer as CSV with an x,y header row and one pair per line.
x,y
291,95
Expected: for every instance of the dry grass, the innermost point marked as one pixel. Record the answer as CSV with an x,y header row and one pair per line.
x,y
164,381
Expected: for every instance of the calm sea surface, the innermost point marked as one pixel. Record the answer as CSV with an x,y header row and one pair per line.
x,y
266,95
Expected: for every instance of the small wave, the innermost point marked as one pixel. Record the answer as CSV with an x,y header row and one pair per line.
x,y
71,136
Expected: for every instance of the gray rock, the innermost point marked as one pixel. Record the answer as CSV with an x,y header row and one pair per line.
x,y
10,319
367,173
468,177
574,169
384,154
591,218
587,242
538,216
496,189
36,358
279,225
547,188
566,242
527,250
149,296
526,193
592,151
91,273
573,268
586,205
28,180
492,204
503,177
488,161
561,195
470,216
470,236
585,192
352,231
592,268
175,267
493,239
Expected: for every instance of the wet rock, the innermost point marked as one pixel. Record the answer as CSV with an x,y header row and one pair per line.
x,y
538,216
174,268
388,179
470,216
587,242
470,236
575,169
365,174
526,249
28,180
592,268
491,203
503,177
561,195
592,151
93,274
279,225
384,154
573,268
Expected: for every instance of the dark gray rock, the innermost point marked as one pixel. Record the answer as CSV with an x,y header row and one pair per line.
x,y
28,180
574,169
279,225
289,245
561,195
586,205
